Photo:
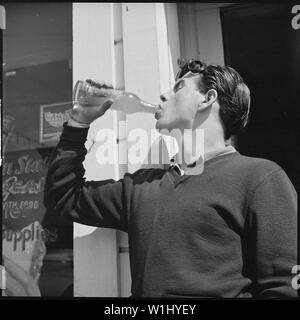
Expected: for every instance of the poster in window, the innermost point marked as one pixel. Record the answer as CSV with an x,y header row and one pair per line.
x,y
52,119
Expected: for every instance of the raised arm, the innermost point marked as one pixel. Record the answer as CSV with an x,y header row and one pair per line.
x,y
96,203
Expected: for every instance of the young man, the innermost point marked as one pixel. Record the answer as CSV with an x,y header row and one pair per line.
x,y
228,230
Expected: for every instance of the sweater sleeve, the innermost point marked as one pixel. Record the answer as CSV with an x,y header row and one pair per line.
x,y
271,225
94,203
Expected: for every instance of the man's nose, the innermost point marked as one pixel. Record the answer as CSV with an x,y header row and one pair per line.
x,y
163,97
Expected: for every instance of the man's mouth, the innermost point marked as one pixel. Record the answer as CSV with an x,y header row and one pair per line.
x,y
158,112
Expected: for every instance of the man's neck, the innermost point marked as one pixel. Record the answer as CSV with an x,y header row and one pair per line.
x,y
197,143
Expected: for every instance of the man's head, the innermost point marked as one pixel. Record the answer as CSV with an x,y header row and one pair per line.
x,y
200,88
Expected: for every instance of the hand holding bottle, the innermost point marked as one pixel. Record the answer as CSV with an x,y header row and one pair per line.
x,y
91,99
85,111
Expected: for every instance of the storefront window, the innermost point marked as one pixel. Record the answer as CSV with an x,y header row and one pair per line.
x,y
37,93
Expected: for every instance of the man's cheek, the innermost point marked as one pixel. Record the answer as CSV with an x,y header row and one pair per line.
x,y
179,105
190,109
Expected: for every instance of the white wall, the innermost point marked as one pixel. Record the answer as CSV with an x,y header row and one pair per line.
x,y
151,50
95,249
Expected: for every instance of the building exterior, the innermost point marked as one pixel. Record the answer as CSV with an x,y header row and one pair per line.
x,y
47,48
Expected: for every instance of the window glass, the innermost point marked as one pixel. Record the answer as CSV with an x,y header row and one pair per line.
x,y
37,93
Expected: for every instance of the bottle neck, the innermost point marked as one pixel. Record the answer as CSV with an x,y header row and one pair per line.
x,y
148,107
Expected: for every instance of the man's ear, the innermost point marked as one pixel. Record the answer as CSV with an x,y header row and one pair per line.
x,y
209,98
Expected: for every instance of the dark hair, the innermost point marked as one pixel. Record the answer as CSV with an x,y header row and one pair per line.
x,y
233,93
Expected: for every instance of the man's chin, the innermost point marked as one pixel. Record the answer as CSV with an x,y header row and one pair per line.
x,y
166,129
162,126
157,125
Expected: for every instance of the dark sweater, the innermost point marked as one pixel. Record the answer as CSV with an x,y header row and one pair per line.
x,y
228,232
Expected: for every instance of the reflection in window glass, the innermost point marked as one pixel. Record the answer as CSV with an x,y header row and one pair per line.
x,y
37,93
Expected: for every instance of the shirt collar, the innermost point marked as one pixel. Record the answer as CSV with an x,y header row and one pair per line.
x,y
198,166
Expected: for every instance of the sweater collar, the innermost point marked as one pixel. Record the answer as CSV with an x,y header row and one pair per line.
x,y
197,167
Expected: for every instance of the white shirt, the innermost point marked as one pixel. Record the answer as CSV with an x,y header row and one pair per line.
x,y
197,167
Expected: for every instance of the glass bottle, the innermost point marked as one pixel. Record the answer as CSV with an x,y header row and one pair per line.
x,y
87,94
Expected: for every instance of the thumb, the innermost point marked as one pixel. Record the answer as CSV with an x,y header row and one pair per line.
x,y
106,105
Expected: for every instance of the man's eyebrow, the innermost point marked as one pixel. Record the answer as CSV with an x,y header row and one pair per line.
x,y
176,85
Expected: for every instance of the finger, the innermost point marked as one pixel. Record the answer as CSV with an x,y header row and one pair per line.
x,y
108,85
100,84
107,104
103,84
96,83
